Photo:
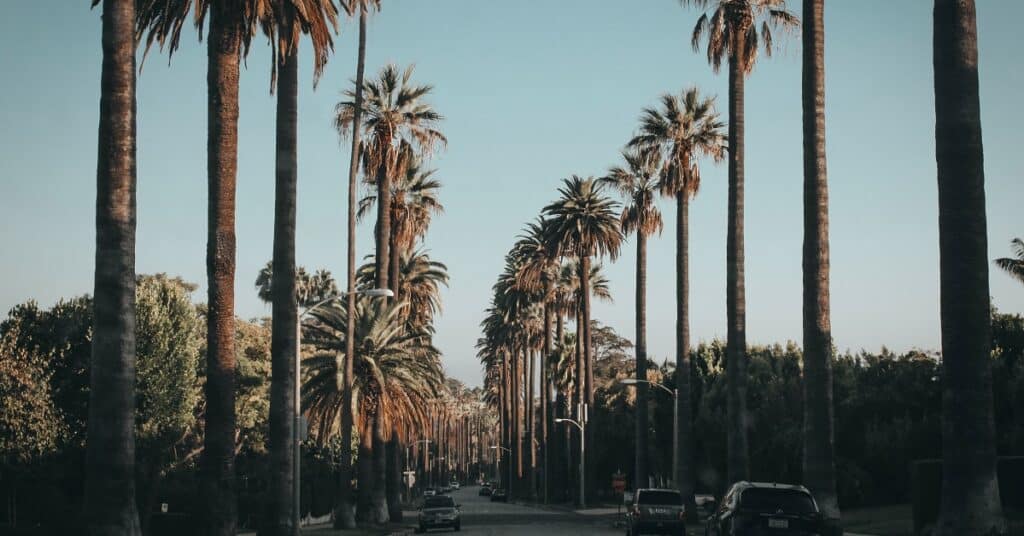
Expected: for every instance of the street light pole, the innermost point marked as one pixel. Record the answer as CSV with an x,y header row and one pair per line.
x,y
675,423
297,425
408,469
509,451
582,425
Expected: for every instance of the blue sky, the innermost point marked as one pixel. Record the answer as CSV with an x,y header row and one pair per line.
x,y
532,91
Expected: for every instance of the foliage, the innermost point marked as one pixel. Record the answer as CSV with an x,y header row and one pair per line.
x,y
30,424
1014,265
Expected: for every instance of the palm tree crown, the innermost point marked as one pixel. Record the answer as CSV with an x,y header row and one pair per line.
x,y
731,28
1014,266
584,220
682,129
638,184
414,202
396,120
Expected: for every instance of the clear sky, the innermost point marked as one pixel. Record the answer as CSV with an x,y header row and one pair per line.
x,y
532,91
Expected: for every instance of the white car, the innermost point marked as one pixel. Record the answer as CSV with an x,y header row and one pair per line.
x,y
455,485
429,492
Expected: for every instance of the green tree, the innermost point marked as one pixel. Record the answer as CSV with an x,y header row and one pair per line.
x,y
638,184
110,453
167,329
31,427
734,29
970,489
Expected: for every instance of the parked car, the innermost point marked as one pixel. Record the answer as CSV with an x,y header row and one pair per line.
x,y
444,489
705,507
485,491
765,508
429,492
499,495
439,512
455,485
656,511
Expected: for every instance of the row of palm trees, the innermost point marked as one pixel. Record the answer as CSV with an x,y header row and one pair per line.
x,y
662,158
399,131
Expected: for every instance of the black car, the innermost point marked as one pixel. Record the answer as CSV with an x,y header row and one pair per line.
x,y
485,491
765,508
656,511
499,495
439,512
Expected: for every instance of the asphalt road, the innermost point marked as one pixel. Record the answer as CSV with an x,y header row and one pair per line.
x,y
480,516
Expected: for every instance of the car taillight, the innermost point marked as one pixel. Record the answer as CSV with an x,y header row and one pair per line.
x,y
682,514
636,511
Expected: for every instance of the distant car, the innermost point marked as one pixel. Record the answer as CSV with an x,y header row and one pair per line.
x,y
485,491
656,511
444,489
705,507
439,512
455,485
499,495
429,492
765,508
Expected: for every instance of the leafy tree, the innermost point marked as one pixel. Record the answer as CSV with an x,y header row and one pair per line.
x,y
31,427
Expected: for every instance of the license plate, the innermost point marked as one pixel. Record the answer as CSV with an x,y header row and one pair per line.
x,y
660,510
778,523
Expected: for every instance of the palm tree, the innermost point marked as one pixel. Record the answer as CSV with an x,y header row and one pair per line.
x,y
309,288
638,184
414,202
284,25
537,266
819,466
685,128
110,447
397,372
583,224
970,486
420,282
1014,266
230,33
344,513
398,123
733,32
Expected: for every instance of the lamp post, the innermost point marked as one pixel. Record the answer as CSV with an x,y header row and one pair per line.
x,y
296,429
675,424
408,468
508,483
582,425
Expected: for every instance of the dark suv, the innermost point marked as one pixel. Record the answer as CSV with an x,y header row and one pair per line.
x,y
760,508
656,511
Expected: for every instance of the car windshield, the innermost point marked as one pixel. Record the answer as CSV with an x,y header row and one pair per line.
x,y
790,501
438,502
660,497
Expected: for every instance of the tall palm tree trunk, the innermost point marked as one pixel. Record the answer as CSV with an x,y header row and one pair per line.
x,y
394,263
344,511
364,499
588,359
383,228
380,470
685,476
819,442
970,487
218,461
394,477
517,428
110,446
545,402
285,314
560,444
736,308
640,474
531,424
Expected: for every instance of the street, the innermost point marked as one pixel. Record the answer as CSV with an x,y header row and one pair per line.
x,y
480,516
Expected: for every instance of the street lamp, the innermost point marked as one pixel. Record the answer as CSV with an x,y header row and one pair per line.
x,y
675,424
296,432
508,483
408,468
582,425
